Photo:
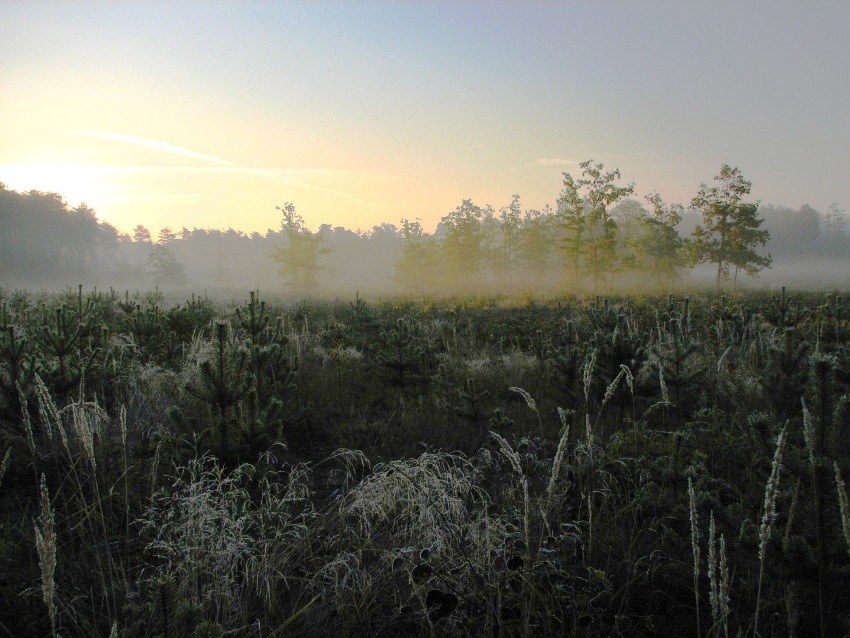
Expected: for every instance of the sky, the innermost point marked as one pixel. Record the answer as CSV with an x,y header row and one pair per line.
x,y
210,114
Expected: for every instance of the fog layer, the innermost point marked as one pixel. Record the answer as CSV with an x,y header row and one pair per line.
x,y
44,243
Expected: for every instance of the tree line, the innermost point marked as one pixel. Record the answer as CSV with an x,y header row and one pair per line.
x,y
596,236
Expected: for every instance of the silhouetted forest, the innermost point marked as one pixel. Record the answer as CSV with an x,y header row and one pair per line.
x,y
579,244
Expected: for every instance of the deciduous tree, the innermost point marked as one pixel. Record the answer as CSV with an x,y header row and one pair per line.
x,y
299,256
590,243
419,264
730,232
462,244
660,249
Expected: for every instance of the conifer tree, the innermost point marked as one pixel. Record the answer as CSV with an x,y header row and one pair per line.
x,y
163,267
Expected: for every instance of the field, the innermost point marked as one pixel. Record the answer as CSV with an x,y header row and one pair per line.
x,y
671,465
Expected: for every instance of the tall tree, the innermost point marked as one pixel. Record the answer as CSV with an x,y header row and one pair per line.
x,y
142,244
731,229
835,231
299,256
141,234
590,243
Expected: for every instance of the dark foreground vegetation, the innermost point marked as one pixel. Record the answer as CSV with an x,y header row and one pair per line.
x,y
633,466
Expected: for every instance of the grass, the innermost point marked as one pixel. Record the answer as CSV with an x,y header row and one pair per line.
x,y
504,471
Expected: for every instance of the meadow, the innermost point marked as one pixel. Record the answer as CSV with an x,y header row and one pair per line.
x,y
479,466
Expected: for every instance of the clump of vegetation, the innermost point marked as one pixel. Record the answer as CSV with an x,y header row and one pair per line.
x,y
456,467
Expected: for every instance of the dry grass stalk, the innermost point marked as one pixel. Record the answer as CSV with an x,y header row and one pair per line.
x,y
630,378
530,402
155,467
49,411
665,396
45,544
609,391
514,459
84,429
725,587
5,464
556,462
809,433
718,580
25,416
770,492
713,584
588,376
692,506
723,358
843,505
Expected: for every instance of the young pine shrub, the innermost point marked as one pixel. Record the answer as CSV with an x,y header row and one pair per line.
x,y
222,378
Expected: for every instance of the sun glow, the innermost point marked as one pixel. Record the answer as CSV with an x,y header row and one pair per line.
x,y
77,184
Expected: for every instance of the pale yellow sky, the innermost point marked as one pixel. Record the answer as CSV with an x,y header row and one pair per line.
x,y
206,115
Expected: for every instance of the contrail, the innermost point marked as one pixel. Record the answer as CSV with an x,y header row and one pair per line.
x,y
553,161
154,145
288,176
